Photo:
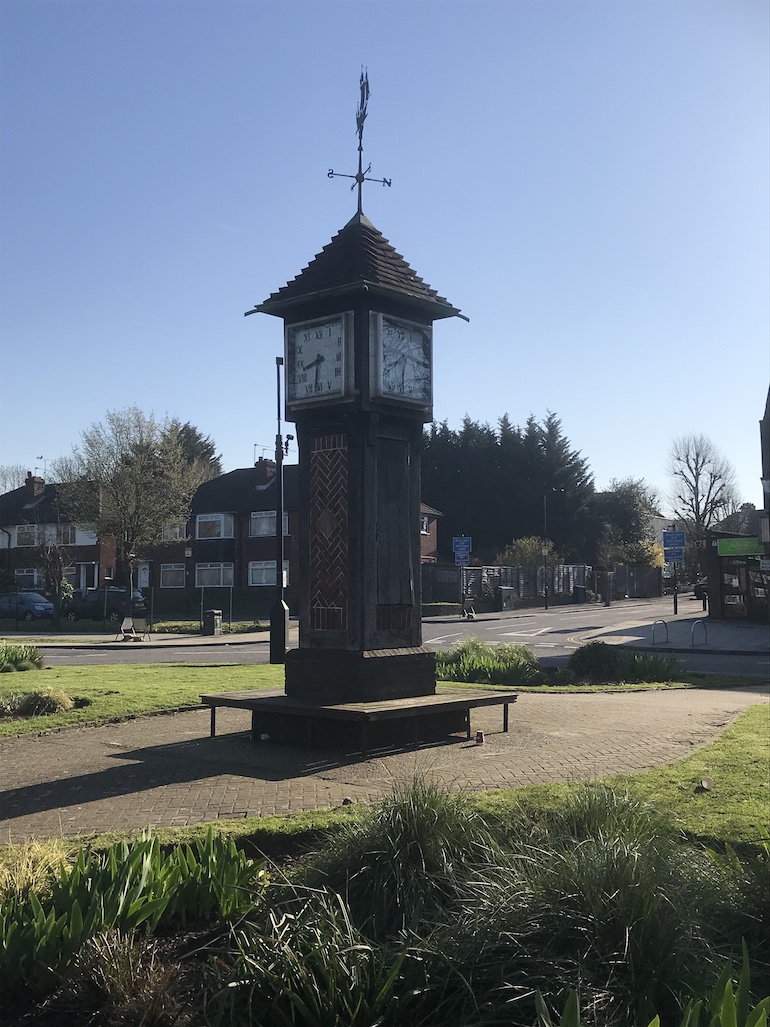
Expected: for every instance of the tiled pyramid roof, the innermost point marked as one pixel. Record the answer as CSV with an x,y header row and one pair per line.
x,y
357,257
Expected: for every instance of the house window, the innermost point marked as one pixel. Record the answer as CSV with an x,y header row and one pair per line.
x,y
424,524
26,535
214,525
28,577
262,523
65,534
175,531
172,575
213,574
262,572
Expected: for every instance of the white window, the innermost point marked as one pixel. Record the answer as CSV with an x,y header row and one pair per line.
x,y
424,524
213,574
262,523
214,525
172,575
65,534
262,572
175,531
26,535
28,577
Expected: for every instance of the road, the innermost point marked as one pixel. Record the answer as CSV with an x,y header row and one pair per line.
x,y
551,634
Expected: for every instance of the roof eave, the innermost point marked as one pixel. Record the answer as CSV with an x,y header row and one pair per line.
x,y
279,307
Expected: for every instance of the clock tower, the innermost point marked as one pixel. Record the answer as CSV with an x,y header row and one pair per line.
x,y
358,334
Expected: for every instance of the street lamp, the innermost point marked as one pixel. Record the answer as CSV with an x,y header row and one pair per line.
x,y
279,614
545,543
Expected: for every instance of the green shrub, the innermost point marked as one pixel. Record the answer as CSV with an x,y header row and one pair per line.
x,y
305,963
600,898
599,662
16,653
127,887
478,662
404,857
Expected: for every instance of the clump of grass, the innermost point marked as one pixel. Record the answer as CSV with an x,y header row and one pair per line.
x,y
20,656
479,662
43,701
306,962
30,867
600,662
123,975
403,858
598,899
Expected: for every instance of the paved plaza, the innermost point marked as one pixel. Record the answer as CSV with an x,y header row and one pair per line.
x,y
166,770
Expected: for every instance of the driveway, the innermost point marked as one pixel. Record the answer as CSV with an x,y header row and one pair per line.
x,y
165,770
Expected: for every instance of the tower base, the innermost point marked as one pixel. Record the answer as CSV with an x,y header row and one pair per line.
x,y
341,676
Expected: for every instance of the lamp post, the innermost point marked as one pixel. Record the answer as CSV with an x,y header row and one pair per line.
x,y
279,614
545,543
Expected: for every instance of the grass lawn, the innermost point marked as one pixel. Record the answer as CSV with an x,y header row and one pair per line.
x,y
735,811
129,690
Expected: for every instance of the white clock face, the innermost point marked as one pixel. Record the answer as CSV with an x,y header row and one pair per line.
x,y
405,366
315,360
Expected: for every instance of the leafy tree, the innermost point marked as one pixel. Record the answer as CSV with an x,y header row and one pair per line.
x,y
198,449
129,478
625,513
527,552
703,487
490,483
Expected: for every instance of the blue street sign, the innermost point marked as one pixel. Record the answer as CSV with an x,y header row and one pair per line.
x,y
462,544
673,540
673,555
462,559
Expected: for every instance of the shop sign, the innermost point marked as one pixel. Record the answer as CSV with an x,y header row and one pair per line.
x,y
739,547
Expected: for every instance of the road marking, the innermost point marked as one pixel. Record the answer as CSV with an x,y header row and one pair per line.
x,y
526,634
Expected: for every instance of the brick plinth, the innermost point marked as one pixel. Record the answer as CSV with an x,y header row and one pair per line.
x,y
340,676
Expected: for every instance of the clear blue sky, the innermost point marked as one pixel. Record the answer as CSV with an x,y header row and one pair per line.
x,y
587,181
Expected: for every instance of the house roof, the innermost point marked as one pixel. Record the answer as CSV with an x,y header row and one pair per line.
x,y
358,258
240,491
18,507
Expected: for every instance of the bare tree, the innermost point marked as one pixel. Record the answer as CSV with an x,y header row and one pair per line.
x,y
129,478
703,485
12,477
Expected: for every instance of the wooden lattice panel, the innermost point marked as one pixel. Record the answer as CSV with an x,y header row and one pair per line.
x,y
329,533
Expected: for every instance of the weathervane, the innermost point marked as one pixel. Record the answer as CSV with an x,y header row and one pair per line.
x,y
362,175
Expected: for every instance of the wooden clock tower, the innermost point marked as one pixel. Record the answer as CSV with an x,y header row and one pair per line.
x,y
358,329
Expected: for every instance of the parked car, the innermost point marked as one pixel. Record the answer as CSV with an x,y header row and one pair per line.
x,y
98,603
701,588
25,606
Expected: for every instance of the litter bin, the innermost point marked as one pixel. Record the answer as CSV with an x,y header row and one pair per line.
x,y
212,622
580,593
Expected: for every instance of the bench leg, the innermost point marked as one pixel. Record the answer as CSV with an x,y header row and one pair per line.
x,y
213,728
468,723
505,718
254,735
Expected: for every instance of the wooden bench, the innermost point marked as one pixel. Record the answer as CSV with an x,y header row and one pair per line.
x,y
263,704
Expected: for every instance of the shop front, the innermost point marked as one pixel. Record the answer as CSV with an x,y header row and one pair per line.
x,y
738,577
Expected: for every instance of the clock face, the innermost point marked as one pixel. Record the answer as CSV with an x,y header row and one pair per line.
x,y
316,360
405,361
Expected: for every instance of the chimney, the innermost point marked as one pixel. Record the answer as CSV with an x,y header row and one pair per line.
x,y
34,487
265,471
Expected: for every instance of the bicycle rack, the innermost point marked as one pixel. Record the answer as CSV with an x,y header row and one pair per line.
x,y
705,632
653,629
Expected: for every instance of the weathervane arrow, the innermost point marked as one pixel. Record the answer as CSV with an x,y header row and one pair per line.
x,y
361,176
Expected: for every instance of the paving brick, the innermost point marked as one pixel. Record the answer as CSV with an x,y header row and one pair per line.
x,y
165,770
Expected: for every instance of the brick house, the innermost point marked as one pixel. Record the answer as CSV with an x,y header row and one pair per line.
x,y
225,553
32,515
